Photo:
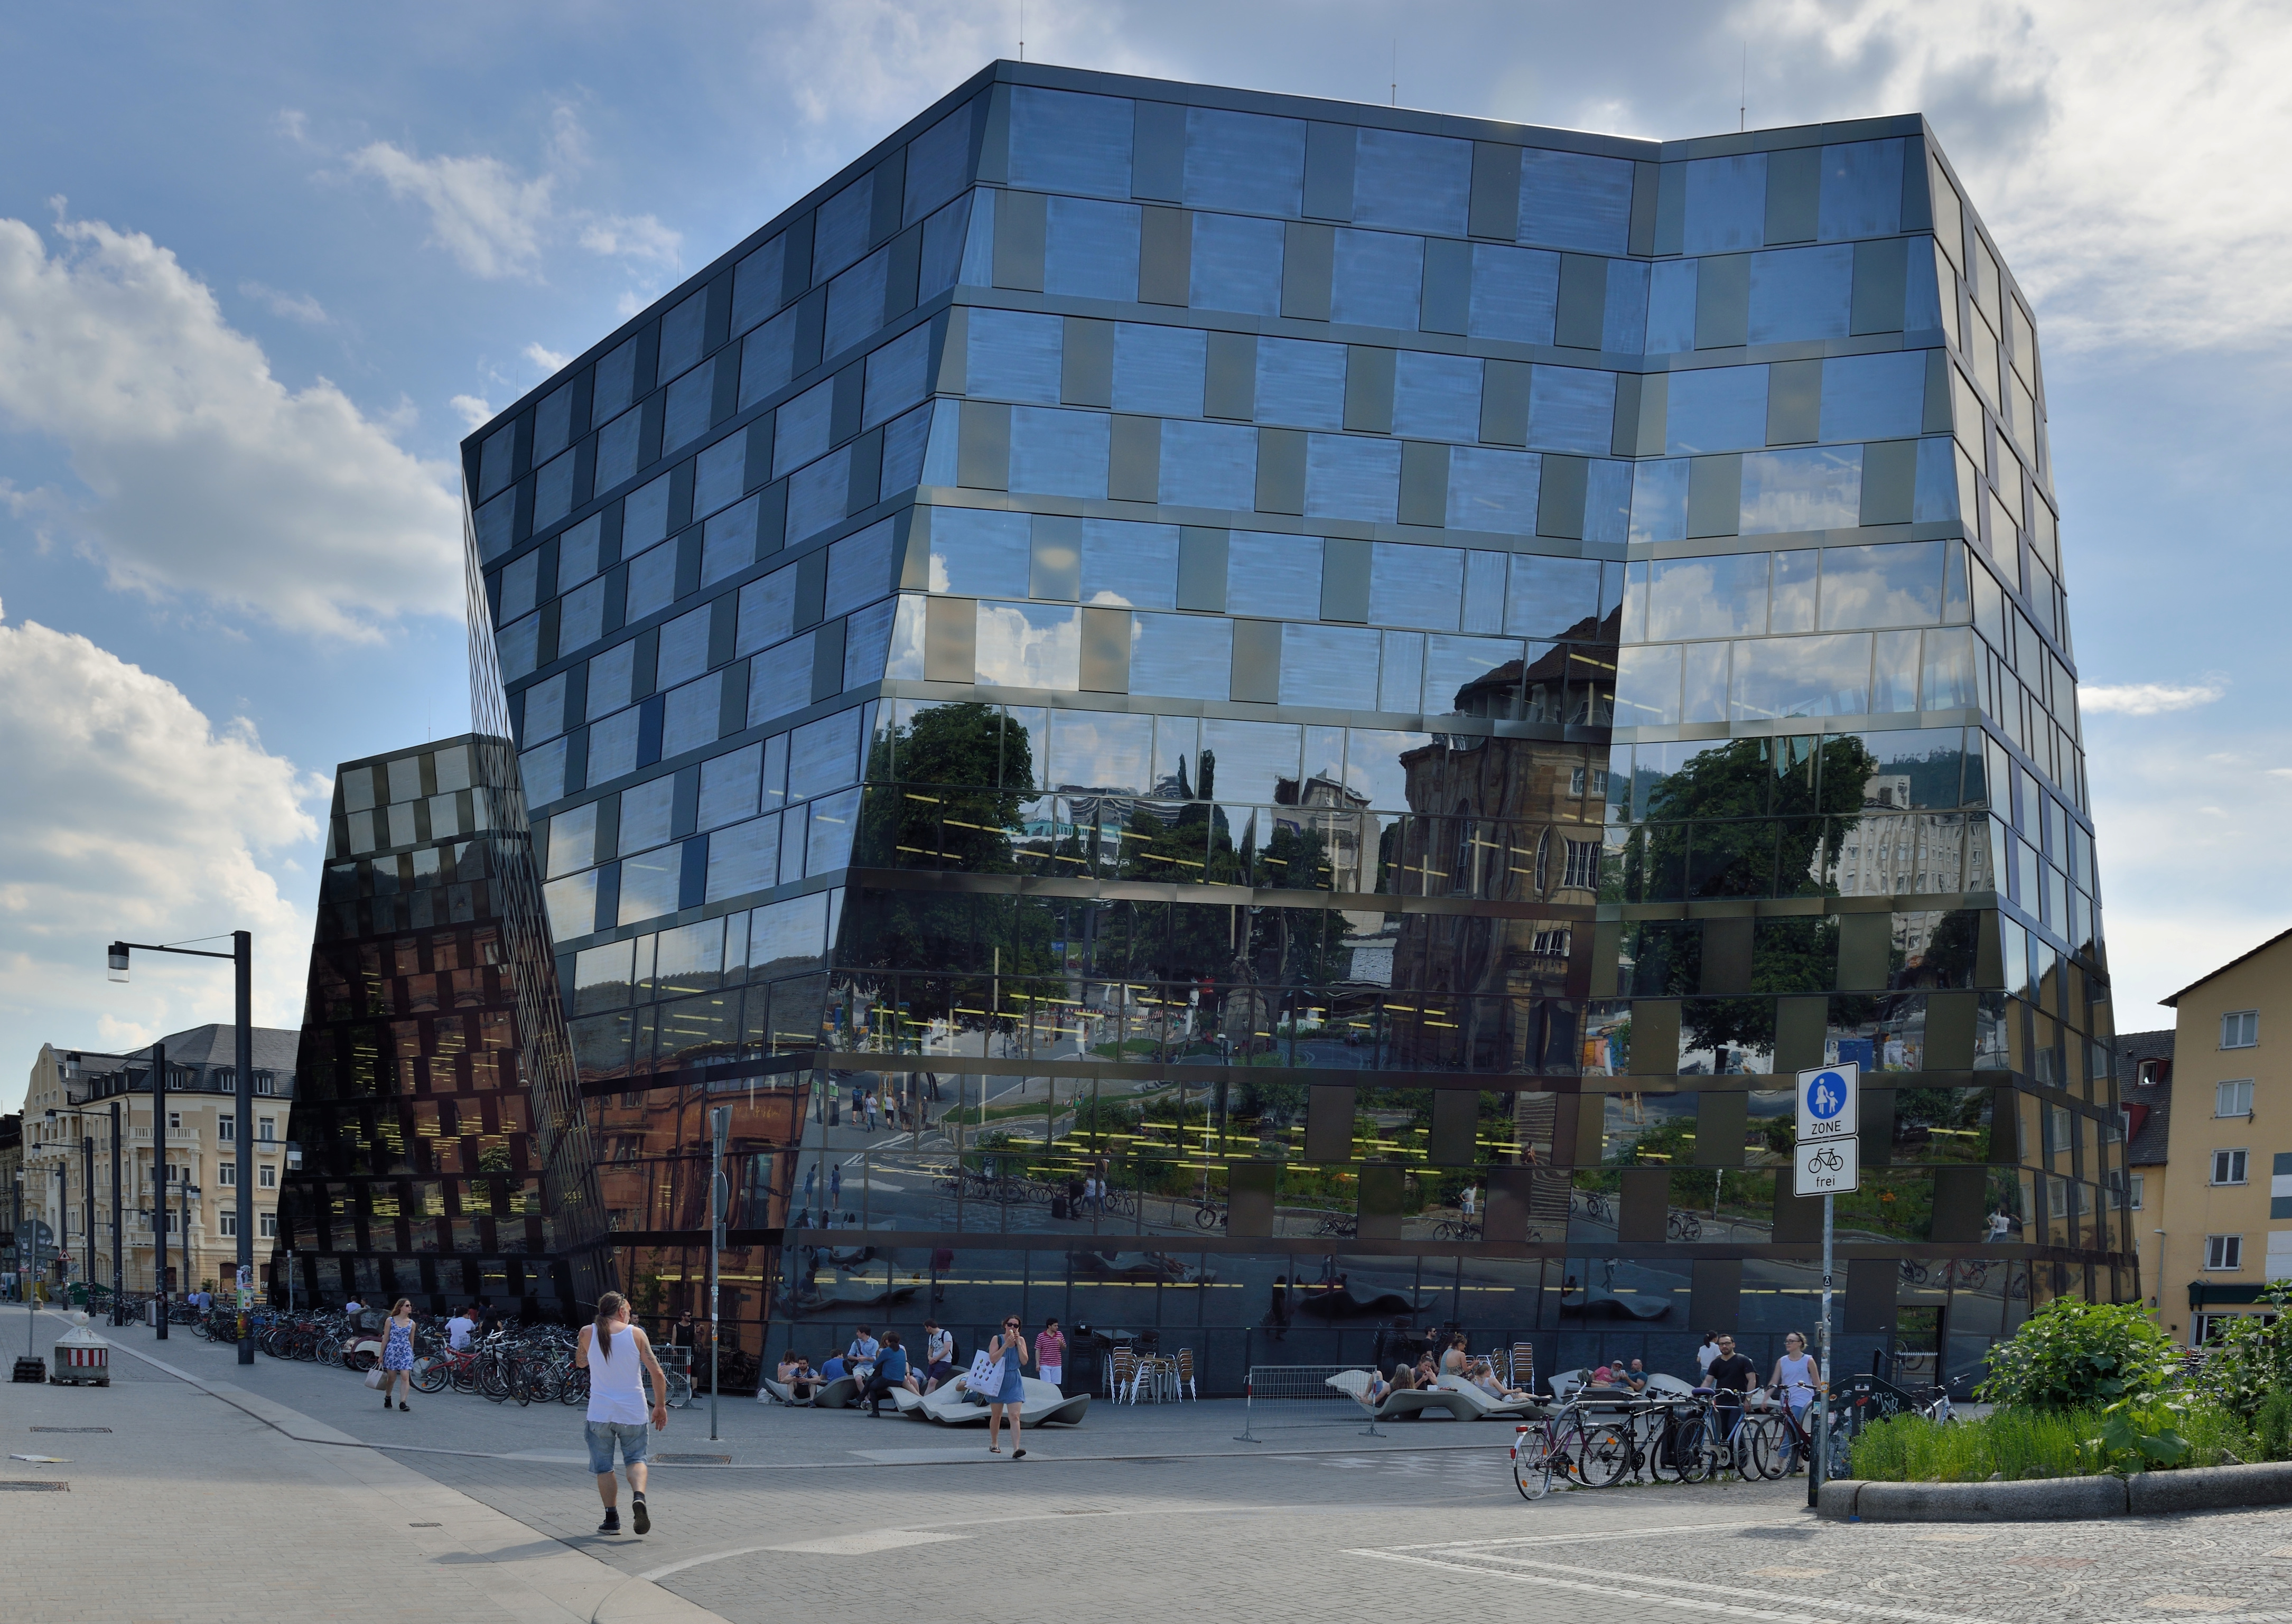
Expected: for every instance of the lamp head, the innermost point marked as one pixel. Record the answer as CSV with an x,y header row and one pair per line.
x,y
117,966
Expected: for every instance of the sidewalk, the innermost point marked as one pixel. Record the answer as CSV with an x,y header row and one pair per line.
x,y
207,1504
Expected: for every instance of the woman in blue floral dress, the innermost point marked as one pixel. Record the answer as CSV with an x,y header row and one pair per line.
x,y
398,1353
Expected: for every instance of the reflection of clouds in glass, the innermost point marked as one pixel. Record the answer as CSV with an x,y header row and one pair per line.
x,y
906,655
980,553
1251,756
1372,765
1094,749
1030,646
1801,676
1724,596
1892,584
1816,489
1129,565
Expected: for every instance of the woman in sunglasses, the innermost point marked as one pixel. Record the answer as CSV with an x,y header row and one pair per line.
x,y
1009,1351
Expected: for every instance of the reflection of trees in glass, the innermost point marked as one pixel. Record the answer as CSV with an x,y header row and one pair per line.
x,y
1746,819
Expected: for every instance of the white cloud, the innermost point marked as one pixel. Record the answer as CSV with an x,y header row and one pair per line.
x,y
209,475
130,814
303,308
546,358
2145,698
473,411
497,222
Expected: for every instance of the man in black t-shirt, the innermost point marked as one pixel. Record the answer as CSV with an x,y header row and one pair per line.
x,y
1733,1375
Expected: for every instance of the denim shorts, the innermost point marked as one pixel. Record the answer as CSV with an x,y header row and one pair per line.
x,y
603,1435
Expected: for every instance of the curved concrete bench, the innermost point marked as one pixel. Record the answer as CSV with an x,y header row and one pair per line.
x,y
2060,1499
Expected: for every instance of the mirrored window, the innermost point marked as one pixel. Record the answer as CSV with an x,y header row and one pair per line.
x,y
1061,141
1515,293
939,162
1328,666
1801,676
1438,397
1671,307
1129,565
1575,200
1091,249
1348,476
1414,586
897,376
1894,584
1030,645
1815,489
978,552
1376,279
1719,596
1013,355
1861,190
1182,657
1726,204
767,611
1716,408
767,358
839,231
1211,464
1060,453
1800,293
1488,489
1236,265
1552,597
1874,397
1275,576
1659,501
1244,161
1301,384
1158,370
1477,676
1415,182
1572,409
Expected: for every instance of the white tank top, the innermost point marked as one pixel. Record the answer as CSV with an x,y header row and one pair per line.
x,y
616,1378
1796,1373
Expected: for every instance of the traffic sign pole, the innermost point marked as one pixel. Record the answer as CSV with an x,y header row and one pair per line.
x,y
1828,1160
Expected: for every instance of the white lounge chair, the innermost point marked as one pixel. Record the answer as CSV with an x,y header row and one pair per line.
x,y
953,1405
1400,1404
1487,1409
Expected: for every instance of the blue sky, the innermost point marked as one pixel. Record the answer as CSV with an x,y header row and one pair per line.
x,y
260,267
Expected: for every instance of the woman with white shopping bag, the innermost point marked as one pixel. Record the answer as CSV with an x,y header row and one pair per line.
x,y
398,1353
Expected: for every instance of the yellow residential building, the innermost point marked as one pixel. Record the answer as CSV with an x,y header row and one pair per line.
x,y
2226,1215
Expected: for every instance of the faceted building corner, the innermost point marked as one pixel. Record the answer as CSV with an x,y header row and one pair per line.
x,y
439,1159
1254,721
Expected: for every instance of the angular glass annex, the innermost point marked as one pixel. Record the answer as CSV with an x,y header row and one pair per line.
x,y
1235,717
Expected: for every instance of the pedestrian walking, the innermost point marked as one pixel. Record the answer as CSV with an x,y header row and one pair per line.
x,y
1008,1351
398,1353
618,1357
835,1189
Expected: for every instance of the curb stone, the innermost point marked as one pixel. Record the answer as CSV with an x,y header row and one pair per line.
x,y
2059,1498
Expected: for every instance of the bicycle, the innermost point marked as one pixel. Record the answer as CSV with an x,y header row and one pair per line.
x,y
1345,1226
1684,1226
1455,1229
1594,1453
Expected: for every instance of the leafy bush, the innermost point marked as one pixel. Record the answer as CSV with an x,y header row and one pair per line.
x,y
2252,1359
2136,1434
2073,1354
2271,1427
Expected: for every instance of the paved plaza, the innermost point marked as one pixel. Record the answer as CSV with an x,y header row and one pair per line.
x,y
287,1492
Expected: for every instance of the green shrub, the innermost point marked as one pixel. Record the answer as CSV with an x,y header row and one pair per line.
x,y
2252,1358
2271,1427
2072,1354
2136,1434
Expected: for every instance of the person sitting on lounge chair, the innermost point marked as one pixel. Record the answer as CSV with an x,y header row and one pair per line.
x,y
1483,1376
798,1377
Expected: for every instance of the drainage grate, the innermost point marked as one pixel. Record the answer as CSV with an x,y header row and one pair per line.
x,y
71,1429
5,1483
425,1525
694,1460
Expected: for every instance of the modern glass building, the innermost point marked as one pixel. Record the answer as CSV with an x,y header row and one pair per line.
x,y
1268,723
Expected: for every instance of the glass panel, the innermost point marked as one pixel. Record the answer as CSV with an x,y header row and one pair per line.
x,y
1438,397
1721,596
1065,142
1328,666
1801,676
1726,200
1091,250
855,303
1185,656
1212,464
1819,489
1717,408
1799,294
1414,586
1417,182
1874,397
1488,490
1030,646
1659,501
1236,265
1861,190
1273,575
1158,370
978,553
1574,200
1244,161
1671,307
897,376
1570,409
1060,453
1013,355
1378,279
1301,384
1515,293
1552,597
1131,565
1894,584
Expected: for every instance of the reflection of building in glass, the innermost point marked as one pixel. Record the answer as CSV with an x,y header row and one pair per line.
x,y
1151,654
428,1166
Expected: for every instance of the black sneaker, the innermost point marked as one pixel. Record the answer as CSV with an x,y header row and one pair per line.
x,y
612,1522
639,1518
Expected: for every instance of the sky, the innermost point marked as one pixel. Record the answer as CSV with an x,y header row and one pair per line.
x,y
262,267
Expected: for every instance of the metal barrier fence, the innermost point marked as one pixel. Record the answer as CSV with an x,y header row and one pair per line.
x,y
1300,1395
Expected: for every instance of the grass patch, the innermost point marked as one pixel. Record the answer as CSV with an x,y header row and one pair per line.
x,y
2013,1443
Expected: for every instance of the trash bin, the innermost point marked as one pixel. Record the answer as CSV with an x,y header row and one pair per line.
x,y
151,1313
82,1359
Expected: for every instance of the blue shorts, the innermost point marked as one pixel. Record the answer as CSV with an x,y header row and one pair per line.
x,y
603,1435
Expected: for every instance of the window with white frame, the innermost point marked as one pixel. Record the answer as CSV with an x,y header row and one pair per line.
x,y
1583,870
264,1083
2228,1166
2232,1099
174,1121
2224,1251
266,1128
2134,1183
226,1172
267,1175
229,1224
267,1224
226,1130
2241,1030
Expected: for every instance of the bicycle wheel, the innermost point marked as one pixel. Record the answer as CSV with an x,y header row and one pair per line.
x,y
1602,1455
493,1381
576,1390
1531,1464
547,1380
430,1375
1663,1455
1693,1451
1773,1447
1205,1217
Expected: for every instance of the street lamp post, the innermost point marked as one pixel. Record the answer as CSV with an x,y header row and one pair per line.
x,y
242,957
158,1175
118,1254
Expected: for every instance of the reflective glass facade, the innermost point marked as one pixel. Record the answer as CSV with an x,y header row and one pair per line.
x,y
1315,702
433,1159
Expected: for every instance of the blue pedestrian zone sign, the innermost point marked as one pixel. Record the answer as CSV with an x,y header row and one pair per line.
x,y
1826,1098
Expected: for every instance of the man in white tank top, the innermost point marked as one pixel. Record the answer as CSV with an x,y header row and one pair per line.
x,y
618,1357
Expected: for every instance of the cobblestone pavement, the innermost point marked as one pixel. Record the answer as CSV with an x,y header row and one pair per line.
x,y
832,1518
